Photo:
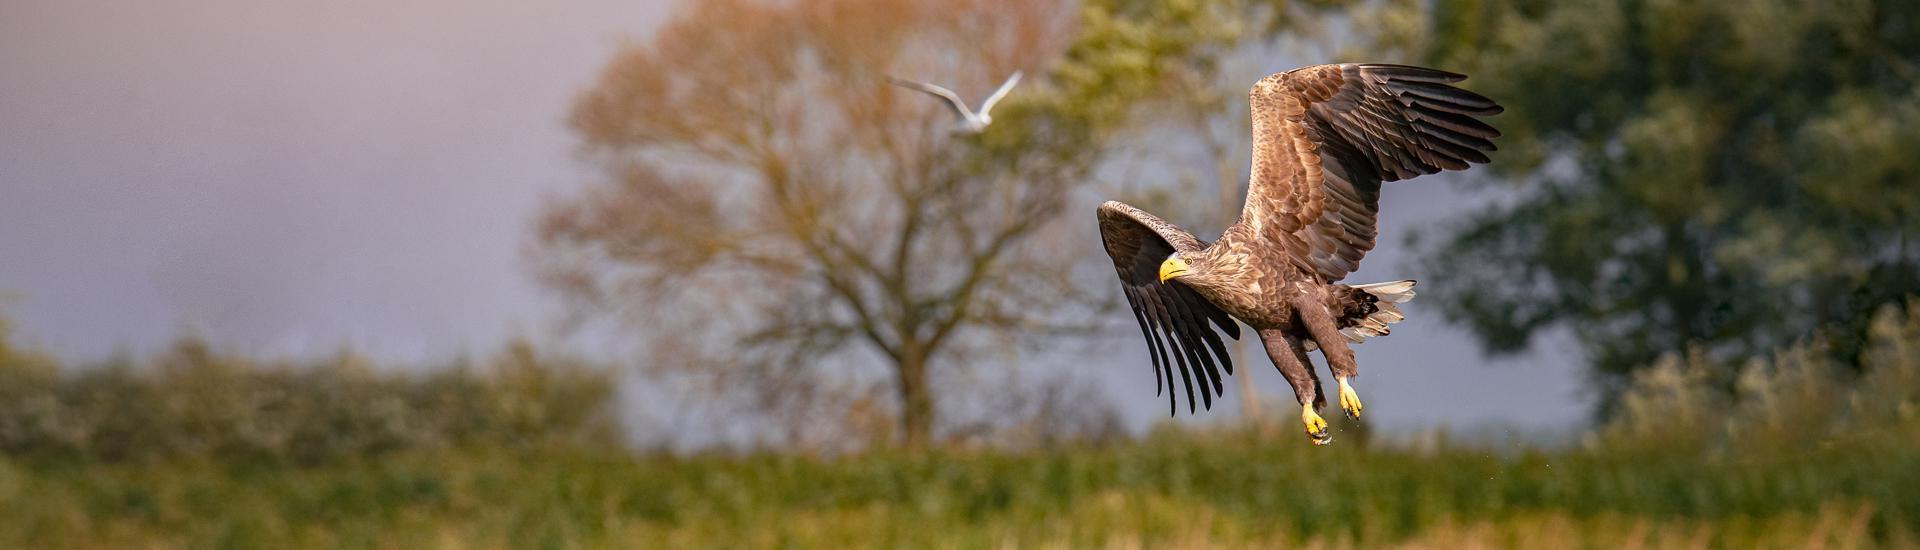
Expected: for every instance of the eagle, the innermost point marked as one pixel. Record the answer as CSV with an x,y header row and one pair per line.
x,y
1324,138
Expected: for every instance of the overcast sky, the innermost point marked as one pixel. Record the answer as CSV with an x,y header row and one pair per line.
x,y
288,177
283,176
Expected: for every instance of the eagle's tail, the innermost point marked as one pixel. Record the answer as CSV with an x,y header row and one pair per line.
x,y
1371,319
1391,295
1394,292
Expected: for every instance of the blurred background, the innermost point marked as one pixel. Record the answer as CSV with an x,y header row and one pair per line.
x,y
663,273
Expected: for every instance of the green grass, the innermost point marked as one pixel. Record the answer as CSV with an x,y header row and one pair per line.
x,y
203,450
1180,489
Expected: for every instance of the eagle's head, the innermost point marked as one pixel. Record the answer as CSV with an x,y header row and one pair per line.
x,y
1203,270
1174,267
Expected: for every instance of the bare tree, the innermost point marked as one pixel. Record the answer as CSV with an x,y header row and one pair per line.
x,y
778,219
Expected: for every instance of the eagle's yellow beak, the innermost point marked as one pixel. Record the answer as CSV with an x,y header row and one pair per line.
x,y
1173,267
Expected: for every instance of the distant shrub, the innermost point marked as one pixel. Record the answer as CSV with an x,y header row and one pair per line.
x,y
193,402
1800,398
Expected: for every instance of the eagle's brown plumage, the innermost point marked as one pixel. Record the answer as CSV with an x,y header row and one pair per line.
x,y
1324,139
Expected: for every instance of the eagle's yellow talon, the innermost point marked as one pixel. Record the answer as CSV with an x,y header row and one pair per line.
x,y
1349,400
1316,426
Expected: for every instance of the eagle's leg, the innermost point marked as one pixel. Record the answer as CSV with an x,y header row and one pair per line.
x,y
1322,326
1290,357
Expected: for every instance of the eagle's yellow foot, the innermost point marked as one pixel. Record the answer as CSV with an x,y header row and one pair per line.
x,y
1316,426
1349,400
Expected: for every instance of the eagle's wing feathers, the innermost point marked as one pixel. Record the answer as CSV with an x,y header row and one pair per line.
x,y
1172,317
1333,133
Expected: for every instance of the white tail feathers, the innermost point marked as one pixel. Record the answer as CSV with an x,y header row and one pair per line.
x,y
1397,291
1391,295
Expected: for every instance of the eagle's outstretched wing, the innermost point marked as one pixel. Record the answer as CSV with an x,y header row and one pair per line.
x,y
1171,315
1326,136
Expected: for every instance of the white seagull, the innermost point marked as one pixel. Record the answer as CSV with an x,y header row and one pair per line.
x,y
970,121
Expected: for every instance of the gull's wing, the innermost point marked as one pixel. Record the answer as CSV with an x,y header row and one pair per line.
x,y
953,100
1000,93
1326,136
1171,315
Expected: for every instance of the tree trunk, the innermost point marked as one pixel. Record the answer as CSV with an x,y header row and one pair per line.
x,y
1250,409
916,401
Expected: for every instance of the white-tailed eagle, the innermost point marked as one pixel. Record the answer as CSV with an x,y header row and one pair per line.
x,y
1324,138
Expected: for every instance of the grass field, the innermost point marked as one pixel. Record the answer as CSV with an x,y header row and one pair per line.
x,y
1173,489
201,450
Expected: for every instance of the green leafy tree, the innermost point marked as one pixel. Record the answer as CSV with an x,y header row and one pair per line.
x,y
1729,175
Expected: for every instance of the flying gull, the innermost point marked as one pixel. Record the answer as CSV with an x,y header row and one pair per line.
x,y
971,122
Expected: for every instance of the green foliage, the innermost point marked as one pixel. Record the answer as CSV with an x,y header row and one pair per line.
x,y
194,403
1727,176
1778,464
1189,489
